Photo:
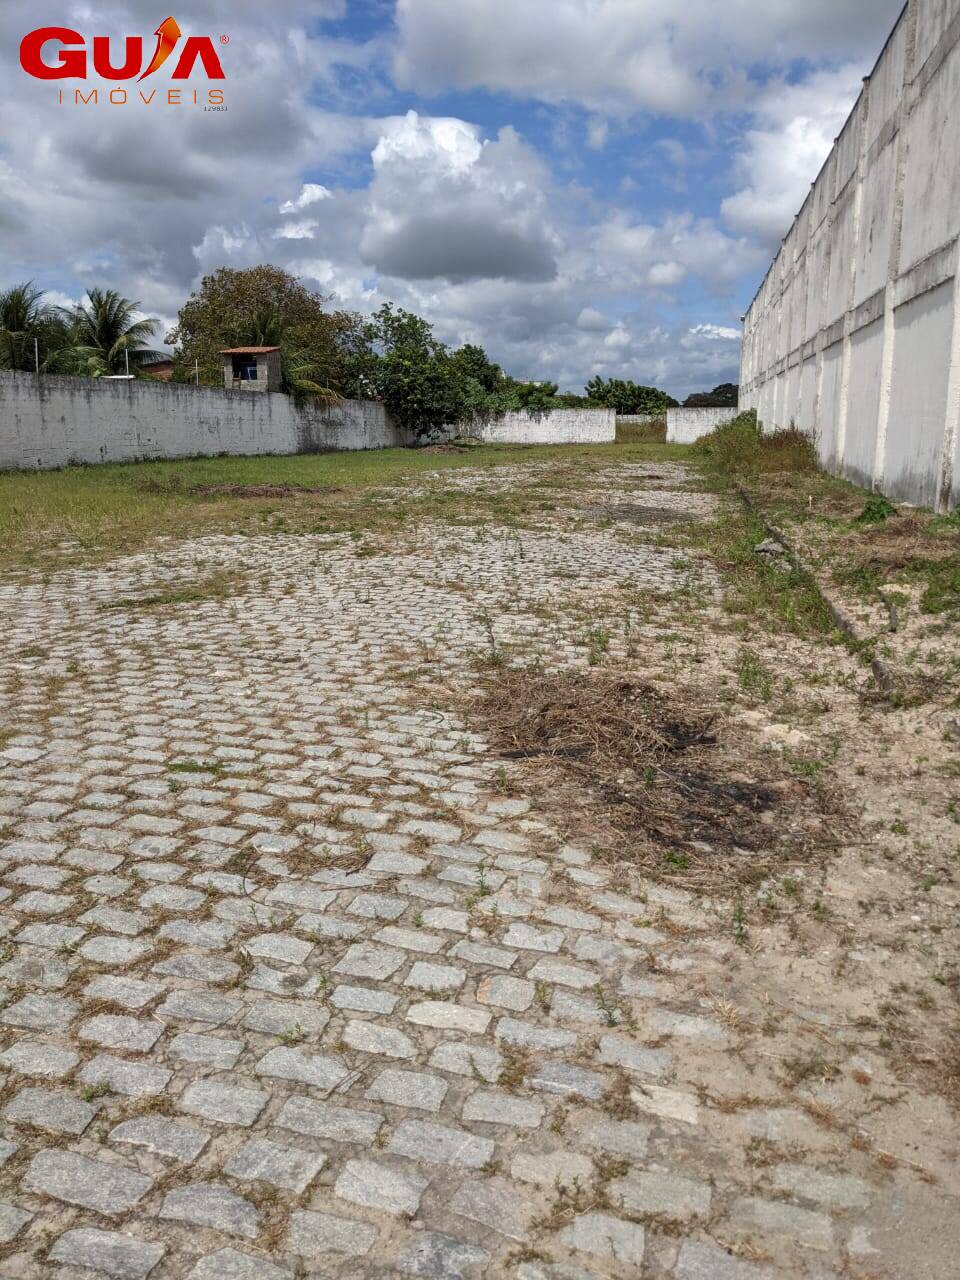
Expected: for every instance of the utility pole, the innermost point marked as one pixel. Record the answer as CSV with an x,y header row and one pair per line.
x,y
196,371
126,356
36,354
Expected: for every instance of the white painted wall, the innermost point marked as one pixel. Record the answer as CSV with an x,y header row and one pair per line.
x,y
558,426
53,422
686,425
854,335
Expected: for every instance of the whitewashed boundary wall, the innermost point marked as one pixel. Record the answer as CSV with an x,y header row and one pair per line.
x,y
854,334
686,425
558,426
52,422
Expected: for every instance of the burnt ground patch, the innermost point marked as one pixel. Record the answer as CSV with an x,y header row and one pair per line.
x,y
659,779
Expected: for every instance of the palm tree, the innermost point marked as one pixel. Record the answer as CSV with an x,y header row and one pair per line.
x,y
302,374
103,333
24,317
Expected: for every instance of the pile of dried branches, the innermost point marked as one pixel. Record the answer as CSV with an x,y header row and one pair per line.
x,y
647,764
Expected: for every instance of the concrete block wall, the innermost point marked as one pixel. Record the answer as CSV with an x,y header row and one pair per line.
x,y
558,426
854,334
52,422
686,425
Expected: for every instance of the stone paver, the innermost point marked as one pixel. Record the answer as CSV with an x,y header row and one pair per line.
x,y
92,1184
285,936
110,1252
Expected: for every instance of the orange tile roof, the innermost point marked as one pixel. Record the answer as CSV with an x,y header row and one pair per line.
x,y
248,351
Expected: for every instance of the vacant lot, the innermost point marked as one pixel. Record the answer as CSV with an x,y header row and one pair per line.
x,y
474,864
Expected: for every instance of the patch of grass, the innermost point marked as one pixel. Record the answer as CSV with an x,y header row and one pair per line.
x,y
762,587
808,1068
876,509
89,512
195,766
942,593
741,448
651,432
217,587
754,676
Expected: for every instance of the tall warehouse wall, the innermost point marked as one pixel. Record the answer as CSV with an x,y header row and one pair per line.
x,y
855,332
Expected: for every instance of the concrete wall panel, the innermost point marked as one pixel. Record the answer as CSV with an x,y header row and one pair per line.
x,y
933,20
686,425
559,426
886,87
876,224
866,356
829,418
932,172
806,413
914,450
874,259
52,422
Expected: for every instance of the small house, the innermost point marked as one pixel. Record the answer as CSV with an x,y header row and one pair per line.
x,y
251,369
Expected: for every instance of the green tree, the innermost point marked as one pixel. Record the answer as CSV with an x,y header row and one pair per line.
x,y
725,396
232,306
414,374
628,397
25,319
536,396
102,334
301,374
472,363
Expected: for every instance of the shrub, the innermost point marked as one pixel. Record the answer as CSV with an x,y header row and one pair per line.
x,y
876,509
742,448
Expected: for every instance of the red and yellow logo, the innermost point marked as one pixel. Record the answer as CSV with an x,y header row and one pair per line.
x,y
60,53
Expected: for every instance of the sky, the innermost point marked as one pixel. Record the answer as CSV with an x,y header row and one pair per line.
x,y
581,186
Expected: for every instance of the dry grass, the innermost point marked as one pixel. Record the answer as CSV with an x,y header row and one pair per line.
x,y
649,765
654,432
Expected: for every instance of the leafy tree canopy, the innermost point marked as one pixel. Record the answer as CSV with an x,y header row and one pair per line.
x,y
725,396
628,397
258,306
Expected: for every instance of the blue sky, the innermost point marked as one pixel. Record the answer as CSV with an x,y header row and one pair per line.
x,y
582,186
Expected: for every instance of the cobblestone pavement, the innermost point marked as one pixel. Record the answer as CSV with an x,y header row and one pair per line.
x,y
294,984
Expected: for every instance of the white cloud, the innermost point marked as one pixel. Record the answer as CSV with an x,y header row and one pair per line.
x,y
715,333
781,155
592,321
666,274
446,204
296,230
310,193
625,55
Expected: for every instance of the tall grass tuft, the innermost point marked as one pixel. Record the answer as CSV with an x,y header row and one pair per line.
x,y
741,448
652,432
